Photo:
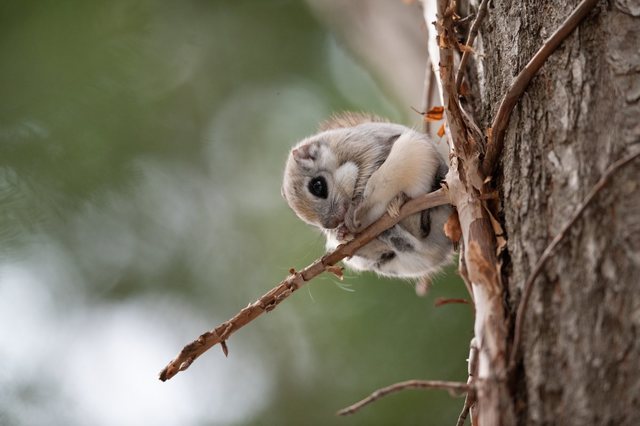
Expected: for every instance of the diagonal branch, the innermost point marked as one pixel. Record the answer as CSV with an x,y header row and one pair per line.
x,y
294,281
546,255
499,125
453,387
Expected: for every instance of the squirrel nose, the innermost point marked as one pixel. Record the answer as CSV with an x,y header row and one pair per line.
x,y
336,215
331,223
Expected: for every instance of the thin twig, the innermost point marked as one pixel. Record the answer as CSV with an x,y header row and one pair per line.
x,y
546,255
464,274
472,369
454,387
296,280
471,38
499,126
465,410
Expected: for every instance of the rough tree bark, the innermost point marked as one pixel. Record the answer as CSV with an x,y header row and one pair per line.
x,y
581,345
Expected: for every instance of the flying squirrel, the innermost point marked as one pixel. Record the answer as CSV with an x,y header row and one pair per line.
x,y
355,169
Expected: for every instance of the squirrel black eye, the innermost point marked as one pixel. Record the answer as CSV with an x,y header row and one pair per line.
x,y
318,187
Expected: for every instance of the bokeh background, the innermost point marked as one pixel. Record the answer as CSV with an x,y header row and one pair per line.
x,y
141,154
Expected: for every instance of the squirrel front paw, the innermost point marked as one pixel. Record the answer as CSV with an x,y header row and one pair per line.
x,y
364,212
343,234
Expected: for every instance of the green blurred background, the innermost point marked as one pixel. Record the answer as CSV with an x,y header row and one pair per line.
x,y
141,153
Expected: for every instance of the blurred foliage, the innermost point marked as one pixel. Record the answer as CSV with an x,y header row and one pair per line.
x,y
141,152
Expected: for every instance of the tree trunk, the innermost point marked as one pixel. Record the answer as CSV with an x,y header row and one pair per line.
x,y
581,346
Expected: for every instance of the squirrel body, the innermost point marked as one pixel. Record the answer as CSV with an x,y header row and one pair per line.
x,y
355,169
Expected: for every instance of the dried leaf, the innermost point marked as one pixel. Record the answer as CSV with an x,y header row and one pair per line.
x,y
441,130
434,114
452,228
483,271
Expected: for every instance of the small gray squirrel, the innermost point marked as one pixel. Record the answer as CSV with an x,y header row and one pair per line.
x,y
356,168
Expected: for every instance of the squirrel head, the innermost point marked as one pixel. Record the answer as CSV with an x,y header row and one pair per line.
x,y
317,185
326,171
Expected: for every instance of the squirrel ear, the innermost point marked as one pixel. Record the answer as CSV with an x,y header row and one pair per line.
x,y
305,154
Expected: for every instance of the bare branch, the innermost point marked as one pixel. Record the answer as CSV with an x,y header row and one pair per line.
x,y
471,38
499,126
546,255
453,387
465,410
472,369
294,281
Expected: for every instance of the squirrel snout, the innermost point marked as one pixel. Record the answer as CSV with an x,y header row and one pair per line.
x,y
336,217
331,223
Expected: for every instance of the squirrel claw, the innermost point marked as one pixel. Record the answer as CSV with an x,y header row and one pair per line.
x,y
343,233
393,208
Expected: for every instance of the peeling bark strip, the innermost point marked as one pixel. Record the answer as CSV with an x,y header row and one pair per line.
x,y
294,281
464,180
